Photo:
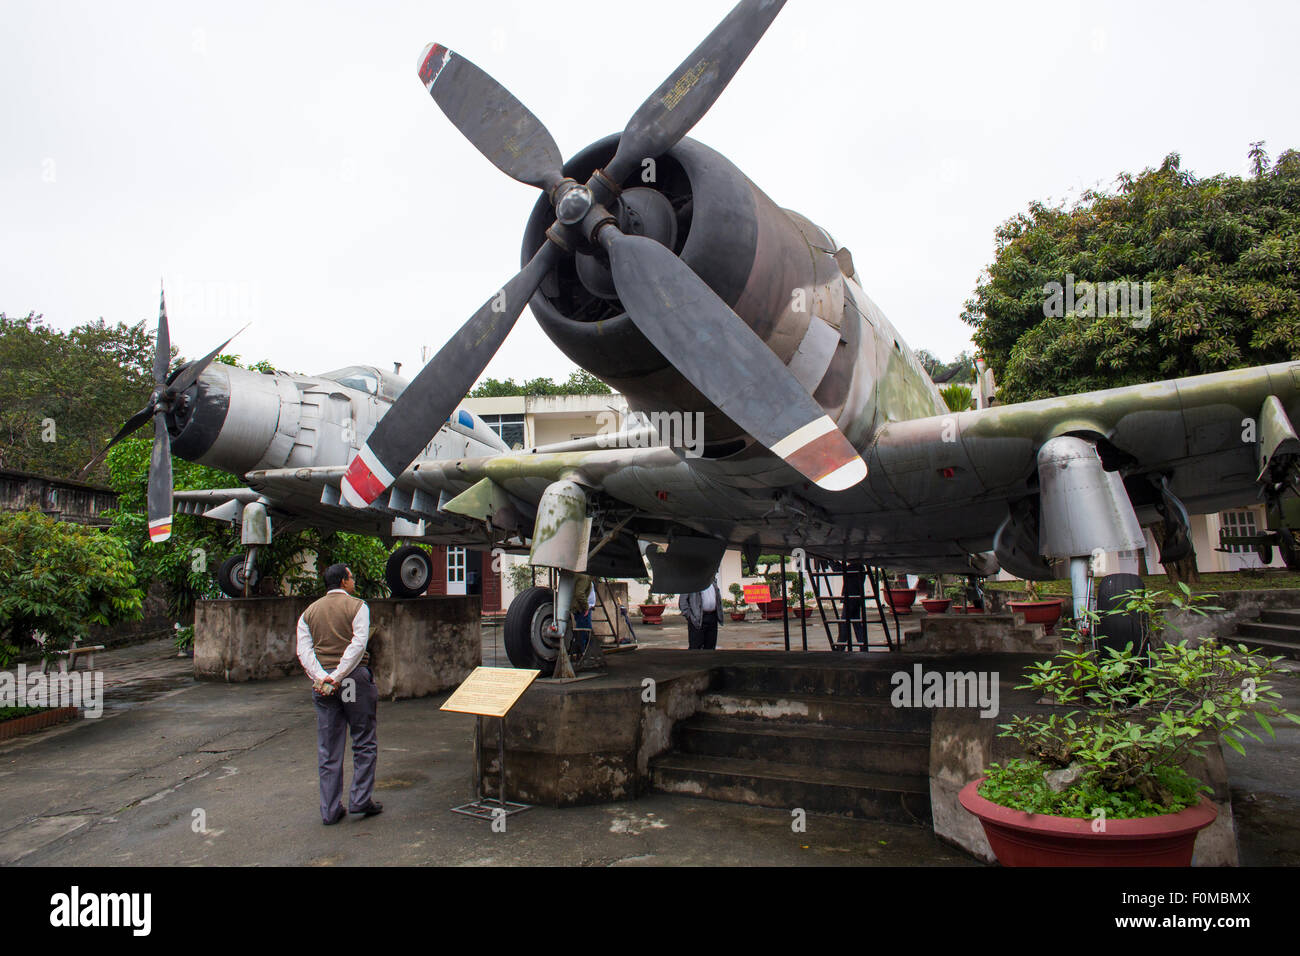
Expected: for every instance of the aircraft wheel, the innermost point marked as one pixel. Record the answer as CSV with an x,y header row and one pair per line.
x,y
1119,630
528,637
230,576
409,571
1290,548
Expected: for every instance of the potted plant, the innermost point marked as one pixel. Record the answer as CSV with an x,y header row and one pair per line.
x,y
738,602
806,604
957,592
1105,785
1038,611
900,596
936,603
652,611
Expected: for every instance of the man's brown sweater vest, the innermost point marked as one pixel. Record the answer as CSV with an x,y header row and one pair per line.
x,y
330,623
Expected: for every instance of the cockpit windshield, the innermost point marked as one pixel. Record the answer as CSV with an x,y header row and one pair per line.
x,y
364,378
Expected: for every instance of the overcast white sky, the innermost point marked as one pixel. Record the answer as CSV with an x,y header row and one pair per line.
x,y
281,162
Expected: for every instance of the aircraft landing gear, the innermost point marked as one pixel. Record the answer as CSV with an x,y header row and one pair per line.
x,y
530,639
231,577
409,571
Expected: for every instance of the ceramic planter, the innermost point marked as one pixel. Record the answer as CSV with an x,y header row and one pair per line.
x,y
652,613
901,599
1036,839
1046,613
936,605
773,610
737,615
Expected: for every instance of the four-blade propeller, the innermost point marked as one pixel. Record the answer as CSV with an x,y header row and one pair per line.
x,y
163,400
676,310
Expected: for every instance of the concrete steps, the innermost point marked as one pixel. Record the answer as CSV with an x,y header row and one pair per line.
x,y
888,797
1274,633
824,739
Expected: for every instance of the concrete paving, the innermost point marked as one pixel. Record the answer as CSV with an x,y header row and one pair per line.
x,y
181,773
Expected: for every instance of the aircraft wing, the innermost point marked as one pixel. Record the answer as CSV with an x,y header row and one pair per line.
x,y
1209,442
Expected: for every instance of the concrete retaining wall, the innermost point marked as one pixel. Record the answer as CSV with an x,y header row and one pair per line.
x,y
417,647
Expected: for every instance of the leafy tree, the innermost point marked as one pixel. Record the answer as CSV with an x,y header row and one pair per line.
x,y
579,382
1222,255
65,394
59,578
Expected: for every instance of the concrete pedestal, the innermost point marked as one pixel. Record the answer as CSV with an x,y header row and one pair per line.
x,y
418,646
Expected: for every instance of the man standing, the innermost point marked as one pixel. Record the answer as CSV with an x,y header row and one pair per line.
x,y
333,633
703,613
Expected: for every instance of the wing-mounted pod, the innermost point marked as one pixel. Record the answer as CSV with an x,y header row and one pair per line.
x,y
1083,508
690,564
1277,448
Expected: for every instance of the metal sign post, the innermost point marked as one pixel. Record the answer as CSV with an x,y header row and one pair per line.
x,y
490,692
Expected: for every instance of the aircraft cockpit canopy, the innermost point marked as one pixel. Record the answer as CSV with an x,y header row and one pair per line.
x,y
366,378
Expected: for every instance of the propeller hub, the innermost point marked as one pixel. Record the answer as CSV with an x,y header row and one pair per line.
x,y
572,205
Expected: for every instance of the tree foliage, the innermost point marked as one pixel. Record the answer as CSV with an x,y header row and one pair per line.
x,y
58,578
65,394
579,382
1222,255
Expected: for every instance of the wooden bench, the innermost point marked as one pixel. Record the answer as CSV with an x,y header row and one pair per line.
x,y
69,657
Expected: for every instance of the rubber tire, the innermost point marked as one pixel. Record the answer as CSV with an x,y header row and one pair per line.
x,y
1120,630
393,572
227,580
526,609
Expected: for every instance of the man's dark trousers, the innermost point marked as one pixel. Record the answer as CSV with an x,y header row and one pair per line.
x,y
706,637
335,717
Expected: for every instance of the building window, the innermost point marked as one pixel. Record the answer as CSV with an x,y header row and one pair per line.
x,y
1237,524
509,427
455,565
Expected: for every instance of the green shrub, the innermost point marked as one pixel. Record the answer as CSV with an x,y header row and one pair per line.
x,y
58,578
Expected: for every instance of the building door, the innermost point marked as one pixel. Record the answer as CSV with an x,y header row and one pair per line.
x,y
455,570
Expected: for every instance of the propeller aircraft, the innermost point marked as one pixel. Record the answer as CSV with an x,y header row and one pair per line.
x,y
690,291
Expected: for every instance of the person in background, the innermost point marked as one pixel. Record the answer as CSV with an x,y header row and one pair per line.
x,y
703,613
583,585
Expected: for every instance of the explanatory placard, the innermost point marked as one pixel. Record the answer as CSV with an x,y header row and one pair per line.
x,y
490,691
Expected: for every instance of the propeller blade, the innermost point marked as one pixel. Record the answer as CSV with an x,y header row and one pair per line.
x,y
132,423
723,357
692,88
160,481
442,384
489,116
190,374
162,349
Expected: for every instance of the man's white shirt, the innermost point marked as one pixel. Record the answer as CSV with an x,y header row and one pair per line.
x,y
351,654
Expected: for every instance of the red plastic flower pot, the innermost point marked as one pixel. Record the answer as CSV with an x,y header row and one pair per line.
x,y
652,613
936,605
1046,613
1036,839
901,599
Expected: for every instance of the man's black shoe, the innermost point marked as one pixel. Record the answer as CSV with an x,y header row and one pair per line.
x,y
370,809
339,816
